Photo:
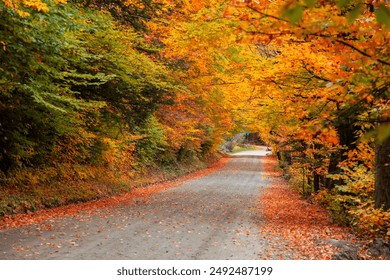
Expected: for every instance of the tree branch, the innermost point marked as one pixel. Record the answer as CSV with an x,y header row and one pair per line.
x,y
254,8
360,51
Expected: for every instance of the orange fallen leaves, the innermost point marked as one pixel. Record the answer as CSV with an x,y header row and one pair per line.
x,y
305,226
142,193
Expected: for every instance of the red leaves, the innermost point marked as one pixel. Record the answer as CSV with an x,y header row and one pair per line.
x,y
142,193
306,227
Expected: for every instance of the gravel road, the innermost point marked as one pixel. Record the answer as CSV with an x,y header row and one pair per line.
x,y
213,217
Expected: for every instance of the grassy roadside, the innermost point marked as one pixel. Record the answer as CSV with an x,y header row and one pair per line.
x,y
38,190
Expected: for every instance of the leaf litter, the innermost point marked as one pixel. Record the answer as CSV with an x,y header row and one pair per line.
x,y
138,195
304,224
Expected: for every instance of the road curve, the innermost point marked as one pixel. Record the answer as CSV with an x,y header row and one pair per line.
x,y
213,217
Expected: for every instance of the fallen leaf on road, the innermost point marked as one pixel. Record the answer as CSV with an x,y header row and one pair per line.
x,y
140,194
305,227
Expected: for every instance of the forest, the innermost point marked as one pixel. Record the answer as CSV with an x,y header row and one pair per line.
x,y
100,97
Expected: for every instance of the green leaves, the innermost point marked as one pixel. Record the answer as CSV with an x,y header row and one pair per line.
x,y
354,13
381,133
63,64
311,3
383,15
342,3
351,8
294,14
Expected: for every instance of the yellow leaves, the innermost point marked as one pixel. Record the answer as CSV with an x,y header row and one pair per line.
x,y
189,7
4,45
228,12
371,221
379,38
37,5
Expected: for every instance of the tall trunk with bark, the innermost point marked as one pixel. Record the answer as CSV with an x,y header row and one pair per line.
x,y
382,175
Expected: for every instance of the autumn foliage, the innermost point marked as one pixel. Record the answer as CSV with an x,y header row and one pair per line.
x,y
300,222
95,94
93,102
322,100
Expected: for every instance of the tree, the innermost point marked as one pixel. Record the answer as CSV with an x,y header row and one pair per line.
x,y
37,104
135,13
344,86
198,50
70,73
382,171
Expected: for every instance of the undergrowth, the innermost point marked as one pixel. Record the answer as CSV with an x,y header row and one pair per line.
x,y
31,189
350,203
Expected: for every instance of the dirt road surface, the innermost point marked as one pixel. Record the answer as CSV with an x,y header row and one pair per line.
x,y
213,217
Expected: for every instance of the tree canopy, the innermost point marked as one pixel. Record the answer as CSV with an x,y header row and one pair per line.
x,y
132,85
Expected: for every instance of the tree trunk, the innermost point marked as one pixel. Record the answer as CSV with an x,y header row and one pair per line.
x,y
333,168
279,155
287,157
316,182
382,175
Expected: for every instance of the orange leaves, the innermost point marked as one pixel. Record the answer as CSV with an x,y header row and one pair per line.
x,y
17,220
329,135
372,222
305,226
210,78
228,12
363,153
